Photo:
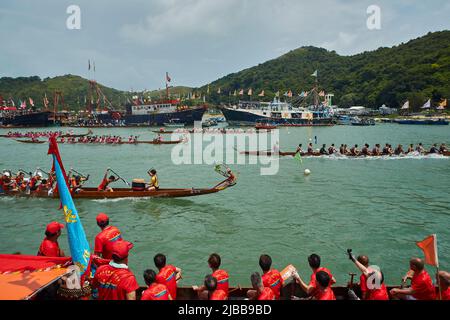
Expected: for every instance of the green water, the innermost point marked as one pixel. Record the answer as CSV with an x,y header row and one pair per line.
x,y
379,207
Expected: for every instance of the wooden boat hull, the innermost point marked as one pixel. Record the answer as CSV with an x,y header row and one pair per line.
x,y
110,144
30,141
92,193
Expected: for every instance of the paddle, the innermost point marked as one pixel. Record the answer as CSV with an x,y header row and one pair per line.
x,y
80,174
29,173
118,176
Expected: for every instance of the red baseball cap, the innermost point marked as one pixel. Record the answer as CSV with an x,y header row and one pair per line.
x,y
54,227
102,217
121,248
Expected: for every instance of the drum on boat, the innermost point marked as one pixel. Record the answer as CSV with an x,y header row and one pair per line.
x,y
138,185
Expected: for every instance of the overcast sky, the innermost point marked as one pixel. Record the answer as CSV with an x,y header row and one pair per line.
x,y
134,42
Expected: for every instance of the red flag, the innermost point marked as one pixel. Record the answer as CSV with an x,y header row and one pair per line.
x,y
53,150
429,248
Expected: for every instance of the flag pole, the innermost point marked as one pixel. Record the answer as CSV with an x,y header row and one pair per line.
x,y
437,269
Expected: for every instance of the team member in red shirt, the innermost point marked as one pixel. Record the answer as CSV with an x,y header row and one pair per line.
x,y
49,246
271,278
314,263
323,290
444,279
214,262
261,292
155,291
168,274
104,185
106,238
214,293
422,287
115,281
370,291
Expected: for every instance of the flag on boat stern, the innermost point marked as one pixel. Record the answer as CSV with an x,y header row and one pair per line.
x,y
429,248
79,246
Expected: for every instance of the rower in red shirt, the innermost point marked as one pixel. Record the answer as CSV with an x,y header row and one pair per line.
x,y
422,287
214,262
261,292
376,288
115,281
49,246
104,185
271,278
314,262
214,293
168,274
105,239
155,291
323,290
444,279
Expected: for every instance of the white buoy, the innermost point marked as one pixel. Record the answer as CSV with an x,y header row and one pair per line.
x,y
307,172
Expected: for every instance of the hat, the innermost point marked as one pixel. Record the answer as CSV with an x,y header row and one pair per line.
x,y
54,227
6,173
121,248
102,217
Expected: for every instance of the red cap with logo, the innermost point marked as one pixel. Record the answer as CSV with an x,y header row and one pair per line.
x,y
102,217
121,248
54,227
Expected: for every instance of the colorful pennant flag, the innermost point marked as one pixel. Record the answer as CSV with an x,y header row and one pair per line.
x,y
429,248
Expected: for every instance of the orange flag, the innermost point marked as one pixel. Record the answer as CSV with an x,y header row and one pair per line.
x,y
429,248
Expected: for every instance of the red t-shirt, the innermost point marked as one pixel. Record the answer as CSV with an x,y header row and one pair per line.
x,y
273,280
313,282
167,276
374,294
102,186
267,294
423,286
222,280
445,294
326,294
114,283
218,295
49,248
156,291
105,240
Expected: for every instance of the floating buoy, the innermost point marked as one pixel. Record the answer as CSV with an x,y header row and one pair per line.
x,y
307,172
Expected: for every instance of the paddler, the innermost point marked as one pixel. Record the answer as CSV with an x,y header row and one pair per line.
x,y
434,149
19,181
420,149
375,289
354,151
76,183
376,150
106,238
49,246
422,287
323,289
155,291
410,149
168,274
342,149
220,275
443,278
213,293
260,291
154,182
443,149
6,181
314,263
104,185
271,278
323,150
115,281
310,148
332,149
299,149
399,150
365,150
35,181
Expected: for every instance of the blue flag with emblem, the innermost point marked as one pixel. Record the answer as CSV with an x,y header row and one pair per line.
x,y
79,246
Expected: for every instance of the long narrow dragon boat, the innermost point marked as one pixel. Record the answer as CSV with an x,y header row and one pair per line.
x,y
155,142
317,154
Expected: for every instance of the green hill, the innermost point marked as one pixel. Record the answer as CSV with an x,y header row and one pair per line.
x,y
417,70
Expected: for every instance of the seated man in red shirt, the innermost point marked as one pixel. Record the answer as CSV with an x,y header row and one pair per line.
x,y
444,279
155,291
106,238
49,246
271,278
115,281
221,276
261,292
323,290
214,293
314,263
104,185
168,274
371,281
422,287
